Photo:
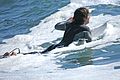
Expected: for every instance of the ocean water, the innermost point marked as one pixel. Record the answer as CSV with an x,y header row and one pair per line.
x,y
18,16
97,60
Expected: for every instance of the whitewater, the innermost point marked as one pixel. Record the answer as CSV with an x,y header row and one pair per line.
x,y
97,60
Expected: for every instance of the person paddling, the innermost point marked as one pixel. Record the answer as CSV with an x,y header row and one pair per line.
x,y
75,29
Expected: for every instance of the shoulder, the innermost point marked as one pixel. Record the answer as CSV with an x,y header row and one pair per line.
x,y
85,27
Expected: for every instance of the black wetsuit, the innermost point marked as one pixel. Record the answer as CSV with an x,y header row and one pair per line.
x,y
71,31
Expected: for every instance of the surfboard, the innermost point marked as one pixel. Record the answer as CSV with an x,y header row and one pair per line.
x,y
99,31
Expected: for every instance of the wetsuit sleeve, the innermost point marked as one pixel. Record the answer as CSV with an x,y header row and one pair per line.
x,y
87,36
61,26
83,35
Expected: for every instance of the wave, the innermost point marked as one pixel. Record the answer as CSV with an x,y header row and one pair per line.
x,y
38,35
94,2
100,56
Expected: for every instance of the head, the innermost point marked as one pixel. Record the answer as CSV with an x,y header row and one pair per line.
x,y
81,16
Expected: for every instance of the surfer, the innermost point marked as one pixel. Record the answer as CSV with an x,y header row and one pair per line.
x,y
75,29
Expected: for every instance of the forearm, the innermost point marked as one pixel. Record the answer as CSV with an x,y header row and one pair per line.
x,y
88,36
61,26
83,35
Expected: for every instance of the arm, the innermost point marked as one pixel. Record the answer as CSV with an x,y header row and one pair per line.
x,y
62,25
83,35
88,36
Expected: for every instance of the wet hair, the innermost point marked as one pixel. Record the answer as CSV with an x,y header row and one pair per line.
x,y
80,15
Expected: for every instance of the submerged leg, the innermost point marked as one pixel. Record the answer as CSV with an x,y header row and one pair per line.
x,y
31,53
49,48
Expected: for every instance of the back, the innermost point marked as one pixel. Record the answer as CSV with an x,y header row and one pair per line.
x,y
71,31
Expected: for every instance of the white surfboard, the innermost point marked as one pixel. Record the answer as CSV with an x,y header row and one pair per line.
x,y
99,31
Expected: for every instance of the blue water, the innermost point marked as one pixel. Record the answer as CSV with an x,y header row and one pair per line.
x,y
110,54
18,16
106,9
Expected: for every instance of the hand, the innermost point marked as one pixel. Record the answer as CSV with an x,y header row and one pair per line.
x,y
70,19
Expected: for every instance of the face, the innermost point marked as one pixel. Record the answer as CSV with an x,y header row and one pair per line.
x,y
87,20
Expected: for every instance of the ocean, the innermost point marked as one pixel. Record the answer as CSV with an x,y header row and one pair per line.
x,y
18,16
29,26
